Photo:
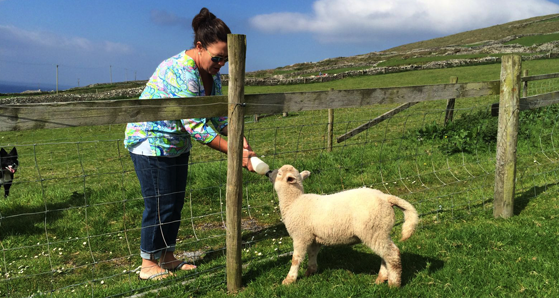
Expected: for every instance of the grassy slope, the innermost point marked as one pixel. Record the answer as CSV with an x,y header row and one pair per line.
x,y
537,25
541,25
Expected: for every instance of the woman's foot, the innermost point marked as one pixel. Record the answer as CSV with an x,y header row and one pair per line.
x,y
151,271
169,262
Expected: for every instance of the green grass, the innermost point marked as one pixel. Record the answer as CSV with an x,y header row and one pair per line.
x,y
424,60
529,41
465,74
71,225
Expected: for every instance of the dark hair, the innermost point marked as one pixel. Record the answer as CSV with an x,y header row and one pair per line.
x,y
208,28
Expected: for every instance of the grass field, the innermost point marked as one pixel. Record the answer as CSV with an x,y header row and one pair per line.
x,y
535,40
71,226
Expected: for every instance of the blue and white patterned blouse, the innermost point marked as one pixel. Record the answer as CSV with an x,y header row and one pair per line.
x,y
177,76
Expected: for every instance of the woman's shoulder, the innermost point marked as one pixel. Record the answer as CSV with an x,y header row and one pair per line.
x,y
179,61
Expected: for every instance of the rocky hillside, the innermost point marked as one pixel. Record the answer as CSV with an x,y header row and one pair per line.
x,y
495,39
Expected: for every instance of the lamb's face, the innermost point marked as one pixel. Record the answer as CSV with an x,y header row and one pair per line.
x,y
287,176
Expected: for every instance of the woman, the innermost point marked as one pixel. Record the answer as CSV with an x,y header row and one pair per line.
x,y
160,149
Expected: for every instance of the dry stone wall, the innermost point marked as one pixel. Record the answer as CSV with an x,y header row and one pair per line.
x,y
384,70
551,49
64,97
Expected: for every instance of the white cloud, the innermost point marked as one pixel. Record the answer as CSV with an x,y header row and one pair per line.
x,y
363,20
16,38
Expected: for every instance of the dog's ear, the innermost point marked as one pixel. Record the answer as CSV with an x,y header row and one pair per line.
x,y
3,152
305,174
13,151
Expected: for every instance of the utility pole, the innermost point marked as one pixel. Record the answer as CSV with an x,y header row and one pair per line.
x,y
111,72
126,71
78,82
57,79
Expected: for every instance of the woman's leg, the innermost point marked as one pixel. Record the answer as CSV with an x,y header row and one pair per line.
x,y
159,222
168,259
178,173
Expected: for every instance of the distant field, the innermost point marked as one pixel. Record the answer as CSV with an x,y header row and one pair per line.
x,y
465,74
535,40
424,60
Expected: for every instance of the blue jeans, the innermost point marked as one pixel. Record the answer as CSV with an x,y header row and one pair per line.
x,y
163,184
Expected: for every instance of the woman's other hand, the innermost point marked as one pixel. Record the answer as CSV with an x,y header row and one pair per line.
x,y
247,154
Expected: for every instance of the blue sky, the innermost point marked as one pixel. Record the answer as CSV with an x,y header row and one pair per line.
x,y
92,40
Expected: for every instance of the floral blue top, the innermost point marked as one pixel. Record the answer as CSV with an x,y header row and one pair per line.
x,y
177,76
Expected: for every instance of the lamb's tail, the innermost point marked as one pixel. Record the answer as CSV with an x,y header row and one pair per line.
x,y
411,218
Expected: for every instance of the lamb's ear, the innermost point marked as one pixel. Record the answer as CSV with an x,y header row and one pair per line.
x,y
305,174
291,179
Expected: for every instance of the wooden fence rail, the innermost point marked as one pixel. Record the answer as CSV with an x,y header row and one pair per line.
x,y
71,114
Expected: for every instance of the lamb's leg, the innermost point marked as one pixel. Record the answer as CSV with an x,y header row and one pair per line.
x,y
394,266
313,253
299,251
382,274
390,254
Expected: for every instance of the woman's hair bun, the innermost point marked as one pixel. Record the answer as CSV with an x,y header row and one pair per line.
x,y
203,16
208,28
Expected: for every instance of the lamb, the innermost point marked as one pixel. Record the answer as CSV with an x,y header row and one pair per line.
x,y
349,217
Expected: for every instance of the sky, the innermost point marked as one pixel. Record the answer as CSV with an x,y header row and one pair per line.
x,y
89,42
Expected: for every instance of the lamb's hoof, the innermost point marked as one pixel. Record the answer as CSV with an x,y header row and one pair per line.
x,y
288,281
310,272
380,280
394,284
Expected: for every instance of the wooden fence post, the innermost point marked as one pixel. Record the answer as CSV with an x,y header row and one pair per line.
x,y
507,136
525,84
450,104
330,128
236,45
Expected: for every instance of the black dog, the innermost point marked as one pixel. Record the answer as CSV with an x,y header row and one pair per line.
x,y
9,165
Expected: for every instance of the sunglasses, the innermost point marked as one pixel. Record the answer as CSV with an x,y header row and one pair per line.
x,y
217,59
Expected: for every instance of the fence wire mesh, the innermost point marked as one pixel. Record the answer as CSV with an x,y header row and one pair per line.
x,y
71,225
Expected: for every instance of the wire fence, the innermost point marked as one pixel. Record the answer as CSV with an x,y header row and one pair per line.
x,y
71,225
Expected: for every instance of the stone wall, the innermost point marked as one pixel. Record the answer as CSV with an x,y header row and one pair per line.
x,y
551,49
384,70
496,47
63,97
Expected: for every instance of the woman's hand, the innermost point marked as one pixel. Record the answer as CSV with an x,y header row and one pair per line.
x,y
247,154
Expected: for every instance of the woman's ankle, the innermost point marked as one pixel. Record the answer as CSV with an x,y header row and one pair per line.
x,y
150,265
168,257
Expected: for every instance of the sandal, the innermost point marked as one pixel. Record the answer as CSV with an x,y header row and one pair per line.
x,y
156,275
179,267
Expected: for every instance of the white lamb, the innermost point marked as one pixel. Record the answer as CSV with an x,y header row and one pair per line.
x,y
349,217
